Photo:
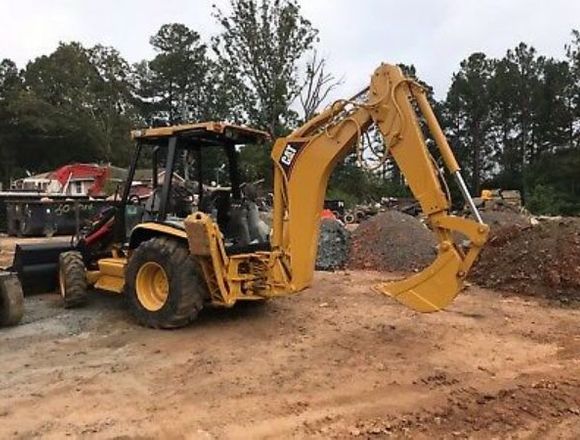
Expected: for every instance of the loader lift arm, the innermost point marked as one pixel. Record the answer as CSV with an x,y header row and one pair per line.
x,y
305,159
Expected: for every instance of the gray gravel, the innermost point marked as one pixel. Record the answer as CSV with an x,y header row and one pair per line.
x,y
333,245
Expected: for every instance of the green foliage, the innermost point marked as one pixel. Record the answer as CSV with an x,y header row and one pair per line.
x,y
573,54
513,121
172,85
469,118
71,105
10,86
515,124
554,183
544,200
261,44
255,163
355,185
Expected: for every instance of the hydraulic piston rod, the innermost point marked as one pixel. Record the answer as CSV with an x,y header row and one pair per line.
x,y
467,197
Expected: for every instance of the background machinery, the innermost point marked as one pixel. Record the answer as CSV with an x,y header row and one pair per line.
x,y
170,261
500,200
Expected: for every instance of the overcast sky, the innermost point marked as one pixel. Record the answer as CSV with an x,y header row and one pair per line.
x,y
355,35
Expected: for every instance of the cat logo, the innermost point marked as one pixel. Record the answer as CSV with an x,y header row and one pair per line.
x,y
288,155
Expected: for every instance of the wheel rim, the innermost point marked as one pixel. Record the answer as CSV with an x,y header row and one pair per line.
x,y
152,286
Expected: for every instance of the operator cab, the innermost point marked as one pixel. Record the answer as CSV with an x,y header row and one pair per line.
x,y
202,153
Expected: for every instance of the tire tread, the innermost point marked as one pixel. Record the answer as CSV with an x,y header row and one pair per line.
x,y
75,277
187,293
11,299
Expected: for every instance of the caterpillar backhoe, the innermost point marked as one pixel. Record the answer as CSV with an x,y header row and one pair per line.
x,y
170,265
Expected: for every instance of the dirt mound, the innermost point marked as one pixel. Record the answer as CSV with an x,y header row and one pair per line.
x,y
540,260
392,241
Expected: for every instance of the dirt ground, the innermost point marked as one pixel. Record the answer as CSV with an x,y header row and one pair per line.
x,y
337,361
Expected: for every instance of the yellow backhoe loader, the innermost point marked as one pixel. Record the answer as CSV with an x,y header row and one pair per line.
x,y
170,265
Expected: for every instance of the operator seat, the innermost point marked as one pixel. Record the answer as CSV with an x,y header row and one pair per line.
x,y
249,232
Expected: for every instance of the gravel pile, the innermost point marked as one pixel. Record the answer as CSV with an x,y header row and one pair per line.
x,y
392,241
333,245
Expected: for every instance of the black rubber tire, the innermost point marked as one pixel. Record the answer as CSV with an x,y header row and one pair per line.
x,y
11,299
187,289
73,283
349,219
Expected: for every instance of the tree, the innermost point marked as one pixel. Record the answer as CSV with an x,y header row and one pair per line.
x,y
553,184
74,105
172,86
10,78
356,185
55,110
319,83
224,100
573,55
113,110
261,43
553,104
10,86
468,117
514,87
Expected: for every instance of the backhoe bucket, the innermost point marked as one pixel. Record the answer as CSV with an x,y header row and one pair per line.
x,y
434,288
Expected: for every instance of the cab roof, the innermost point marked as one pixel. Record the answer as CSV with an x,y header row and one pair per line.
x,y
204,134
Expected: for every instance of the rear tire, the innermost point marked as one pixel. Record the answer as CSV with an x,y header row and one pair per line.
x,y
163,287
72,277
11,299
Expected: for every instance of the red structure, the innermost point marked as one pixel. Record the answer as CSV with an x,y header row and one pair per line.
x,y
84,171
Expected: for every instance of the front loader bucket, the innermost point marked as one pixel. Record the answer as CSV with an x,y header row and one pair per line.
x,y
37,266
434,288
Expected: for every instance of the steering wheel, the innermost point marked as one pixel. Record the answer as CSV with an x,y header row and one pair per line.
x,y
134,200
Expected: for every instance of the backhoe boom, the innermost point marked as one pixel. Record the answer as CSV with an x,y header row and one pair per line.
x,y
305,159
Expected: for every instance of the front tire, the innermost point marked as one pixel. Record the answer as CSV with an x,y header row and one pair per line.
x,y
11,299
72,279
163,288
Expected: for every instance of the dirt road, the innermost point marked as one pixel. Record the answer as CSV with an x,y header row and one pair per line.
x,y
337,361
